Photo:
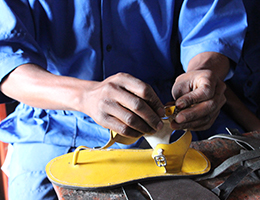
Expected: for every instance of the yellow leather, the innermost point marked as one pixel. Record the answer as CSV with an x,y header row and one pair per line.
x,y
174,152
90,168
115,137
170,111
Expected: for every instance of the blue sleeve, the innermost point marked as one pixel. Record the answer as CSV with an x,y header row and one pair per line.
x,y
212,25
17,39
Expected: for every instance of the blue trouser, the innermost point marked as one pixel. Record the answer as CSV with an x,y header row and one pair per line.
x,y
27,180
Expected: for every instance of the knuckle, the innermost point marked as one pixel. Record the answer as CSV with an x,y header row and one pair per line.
x,y
129,132
124,130
223,85
130,119
102,117
138,104
208,119
180,78
121,74
144,89
110,85
107,88
192,99
102,104
211,105
207,91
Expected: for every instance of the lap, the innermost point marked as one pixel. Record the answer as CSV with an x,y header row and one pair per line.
x,y
28,178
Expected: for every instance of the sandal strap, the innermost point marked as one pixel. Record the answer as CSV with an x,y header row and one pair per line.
x,y
169,189
252,144
248,155
223,190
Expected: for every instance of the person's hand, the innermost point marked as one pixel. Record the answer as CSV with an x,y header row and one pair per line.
x,y
121,102
125,105
199,96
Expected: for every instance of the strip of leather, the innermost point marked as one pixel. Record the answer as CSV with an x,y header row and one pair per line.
x,y
172,189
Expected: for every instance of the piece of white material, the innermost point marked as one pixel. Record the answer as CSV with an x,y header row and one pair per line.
x,y
160,137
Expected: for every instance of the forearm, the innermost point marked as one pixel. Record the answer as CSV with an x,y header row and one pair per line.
x,y
37,87
120,102
215,62
240,113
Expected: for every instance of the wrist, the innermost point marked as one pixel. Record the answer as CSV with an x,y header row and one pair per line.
x,y
213,61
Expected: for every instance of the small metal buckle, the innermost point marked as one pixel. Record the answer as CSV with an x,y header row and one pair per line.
x,y
160,159
169,115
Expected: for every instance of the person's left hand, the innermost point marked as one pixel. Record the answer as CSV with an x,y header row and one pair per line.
x,y
199,96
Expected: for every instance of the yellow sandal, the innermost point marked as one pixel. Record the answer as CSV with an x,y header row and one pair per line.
x,y
101,168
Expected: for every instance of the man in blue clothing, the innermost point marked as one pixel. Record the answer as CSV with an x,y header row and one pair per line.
x,y
81,68
242,93
243,99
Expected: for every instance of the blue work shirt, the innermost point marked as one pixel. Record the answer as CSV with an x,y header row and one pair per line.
x,y
246,82
94,39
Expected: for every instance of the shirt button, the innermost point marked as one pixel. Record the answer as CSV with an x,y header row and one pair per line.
x,y
109,47
249,83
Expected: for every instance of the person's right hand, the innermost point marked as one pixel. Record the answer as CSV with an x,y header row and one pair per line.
x,y
121,102
125,105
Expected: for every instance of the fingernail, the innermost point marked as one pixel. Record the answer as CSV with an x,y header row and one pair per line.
x,y
180,118
161,112
180,104
159,126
